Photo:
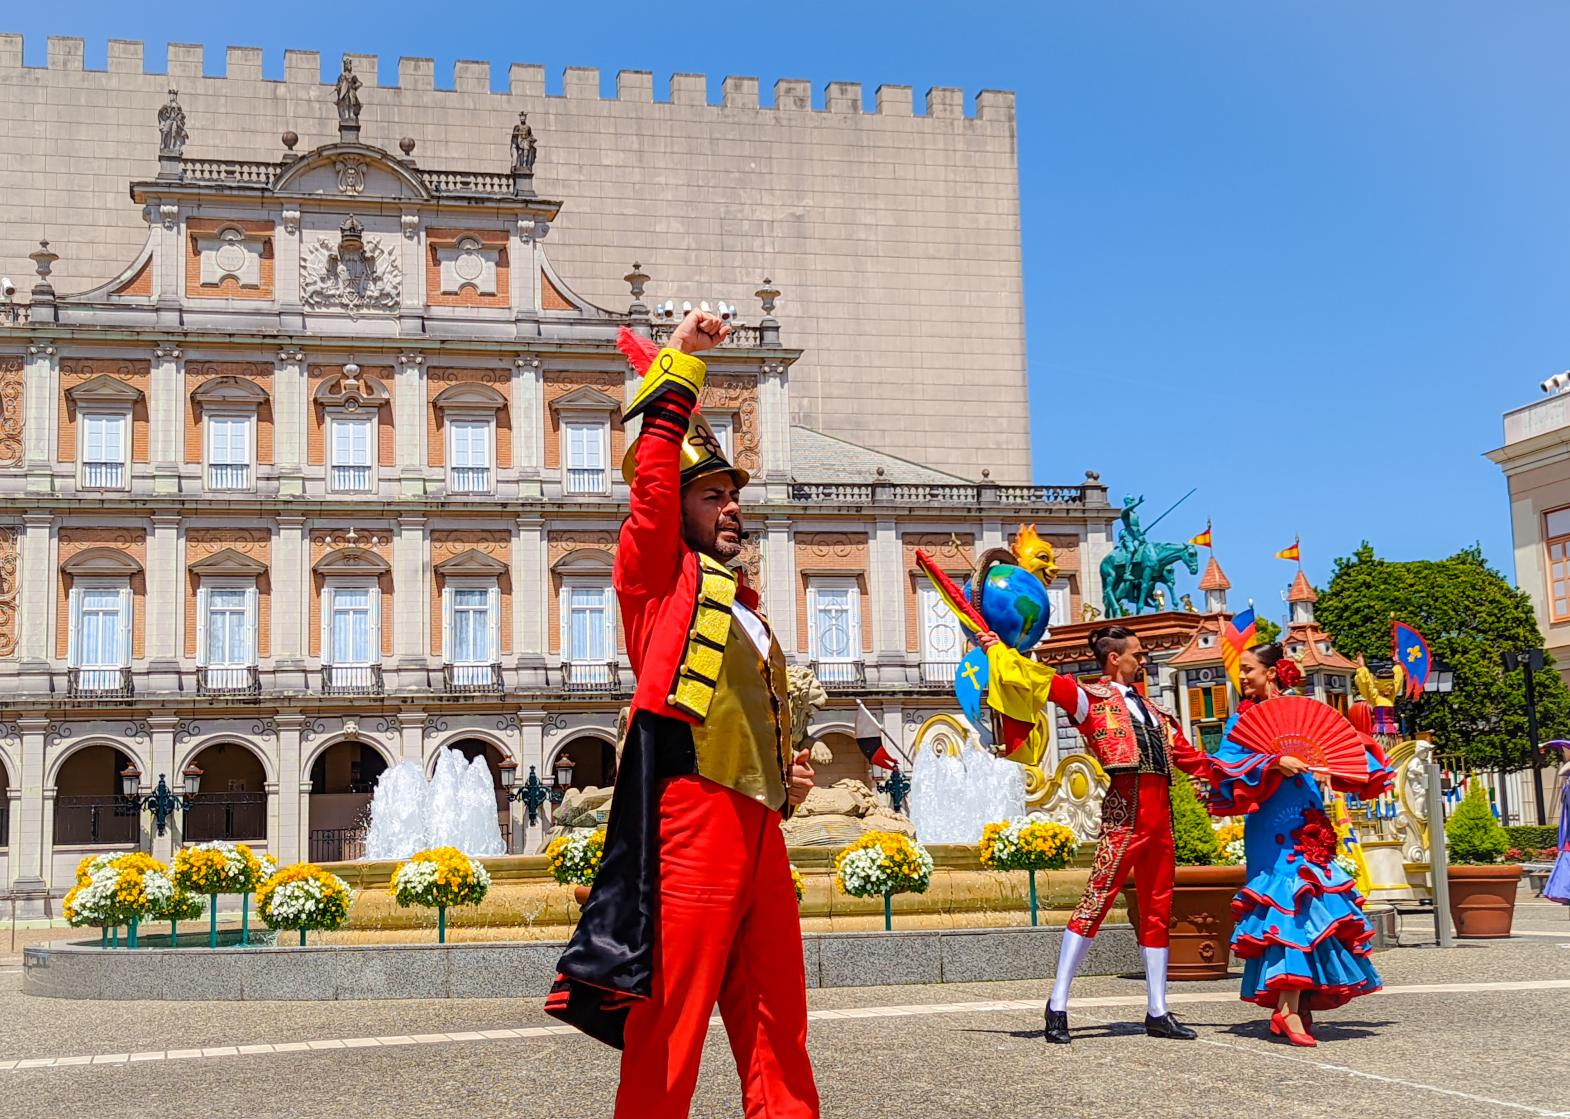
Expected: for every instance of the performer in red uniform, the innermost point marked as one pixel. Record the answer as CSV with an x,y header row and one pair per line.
x,y
694,903
1137,742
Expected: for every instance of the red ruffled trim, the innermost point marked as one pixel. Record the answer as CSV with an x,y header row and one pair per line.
x,y
1246,947
1311,885
1245,798
1316,998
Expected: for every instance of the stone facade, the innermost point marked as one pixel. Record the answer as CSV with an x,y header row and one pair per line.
x,y
235,529
877,225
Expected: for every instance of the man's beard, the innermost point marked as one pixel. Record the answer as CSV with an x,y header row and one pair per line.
x,y
725,549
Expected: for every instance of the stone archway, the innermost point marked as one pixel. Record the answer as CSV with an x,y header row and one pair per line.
x,y
343,777
593,761
232,804
89,810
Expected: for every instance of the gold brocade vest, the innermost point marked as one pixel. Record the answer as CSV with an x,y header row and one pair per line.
x,y
742,742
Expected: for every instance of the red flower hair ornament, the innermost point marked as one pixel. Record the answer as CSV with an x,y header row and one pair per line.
x,y
1288,674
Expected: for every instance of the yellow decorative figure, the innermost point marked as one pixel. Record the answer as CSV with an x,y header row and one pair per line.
x,y
1035,555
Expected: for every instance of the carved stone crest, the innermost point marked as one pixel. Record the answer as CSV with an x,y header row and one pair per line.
x,y
351,175
356,274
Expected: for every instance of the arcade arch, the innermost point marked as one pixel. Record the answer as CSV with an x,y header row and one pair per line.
x,y
232,804
89,810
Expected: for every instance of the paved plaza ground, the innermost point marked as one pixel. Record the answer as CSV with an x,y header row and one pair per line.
x,y
1476,1030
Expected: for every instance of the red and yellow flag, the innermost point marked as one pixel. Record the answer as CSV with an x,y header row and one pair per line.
x,y
1203,539
1294,552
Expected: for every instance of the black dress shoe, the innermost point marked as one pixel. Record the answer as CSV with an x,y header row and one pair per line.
x,y
1057,1027
1168,1026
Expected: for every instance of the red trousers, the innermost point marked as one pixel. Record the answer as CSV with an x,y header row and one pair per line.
x,y
729,932
1136,839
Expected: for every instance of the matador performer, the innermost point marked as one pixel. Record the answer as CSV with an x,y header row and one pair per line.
x,y
694,902
1137,742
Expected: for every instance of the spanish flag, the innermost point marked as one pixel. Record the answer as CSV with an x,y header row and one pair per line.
x,y
1203,539
1295,552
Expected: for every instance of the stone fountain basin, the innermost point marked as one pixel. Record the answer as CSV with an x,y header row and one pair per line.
x,y
524,897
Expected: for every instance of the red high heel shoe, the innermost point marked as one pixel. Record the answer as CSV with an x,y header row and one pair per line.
x,y
1279,1027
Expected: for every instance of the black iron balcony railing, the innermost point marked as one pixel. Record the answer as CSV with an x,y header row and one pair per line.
x,y
886,493
591,677
352,679
229,681
226,816
839,674
336,845
99,683
467,679
105,820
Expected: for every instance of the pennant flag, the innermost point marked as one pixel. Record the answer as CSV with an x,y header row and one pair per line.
x,y
1203,539
869,736
1295,552
1238,635
1410,651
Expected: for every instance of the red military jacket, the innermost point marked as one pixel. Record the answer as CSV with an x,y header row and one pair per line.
x,y
1102,718
656,575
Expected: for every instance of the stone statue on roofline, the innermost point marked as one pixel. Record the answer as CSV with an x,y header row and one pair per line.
x,y
347,94
171,127
524,146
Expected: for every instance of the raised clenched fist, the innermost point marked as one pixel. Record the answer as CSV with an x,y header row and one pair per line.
x,y
699,331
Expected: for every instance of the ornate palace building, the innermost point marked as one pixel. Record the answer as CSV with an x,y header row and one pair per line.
x,y
326,478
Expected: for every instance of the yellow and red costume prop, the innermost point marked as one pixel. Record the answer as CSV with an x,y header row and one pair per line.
x,y
693,904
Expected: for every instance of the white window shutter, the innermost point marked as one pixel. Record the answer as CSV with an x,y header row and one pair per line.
x,y
447,623
609,599
812,621
374,654
564,613
853,622
253,621
125,625
201,625
327,625
493,615
72,625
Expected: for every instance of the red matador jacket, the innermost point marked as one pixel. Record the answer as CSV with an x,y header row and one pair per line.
x,y
1102,718
675,607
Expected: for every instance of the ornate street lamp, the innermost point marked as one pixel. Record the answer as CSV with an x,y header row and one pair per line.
x,y
162,802
897,786
533,793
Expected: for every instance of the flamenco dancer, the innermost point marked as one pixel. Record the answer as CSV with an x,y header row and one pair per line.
x,y
1300,932
1558,886
1137,742
693,903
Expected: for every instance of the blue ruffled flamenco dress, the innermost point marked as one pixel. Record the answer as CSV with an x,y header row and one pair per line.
x,y
1558,887
1299,917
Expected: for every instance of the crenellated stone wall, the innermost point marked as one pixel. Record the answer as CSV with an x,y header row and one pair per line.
x,y
894,237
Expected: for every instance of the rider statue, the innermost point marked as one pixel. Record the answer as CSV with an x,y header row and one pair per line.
x,y
1136,568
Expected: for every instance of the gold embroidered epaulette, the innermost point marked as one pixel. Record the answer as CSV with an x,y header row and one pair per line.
x,y
693,689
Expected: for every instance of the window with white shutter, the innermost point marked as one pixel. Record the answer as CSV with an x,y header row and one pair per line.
x,y
229,452
585,450
100,633
834,628
104,445
349,446
469,455
588,637
724,427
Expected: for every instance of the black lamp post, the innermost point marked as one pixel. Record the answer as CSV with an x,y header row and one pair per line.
x,y
533,793
897,785
162,802
1528,662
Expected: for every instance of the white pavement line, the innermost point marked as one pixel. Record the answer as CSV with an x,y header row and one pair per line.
x,y
842,1014
1555,935
1378,1078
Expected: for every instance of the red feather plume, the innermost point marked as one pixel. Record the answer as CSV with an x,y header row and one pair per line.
x,y
1304,728
639,350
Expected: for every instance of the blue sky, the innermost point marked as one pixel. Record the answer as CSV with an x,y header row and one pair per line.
x,y
1302,256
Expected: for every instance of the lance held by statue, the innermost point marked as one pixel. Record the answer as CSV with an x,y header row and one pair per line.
x,y
694,902
1138,743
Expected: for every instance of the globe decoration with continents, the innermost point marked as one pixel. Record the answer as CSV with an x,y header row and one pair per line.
x,y
1012,592
1014,603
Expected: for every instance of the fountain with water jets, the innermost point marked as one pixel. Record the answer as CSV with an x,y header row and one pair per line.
x,y
456,808
957,787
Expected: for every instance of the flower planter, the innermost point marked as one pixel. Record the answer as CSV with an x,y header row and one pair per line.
x,y
1482,899
1201,920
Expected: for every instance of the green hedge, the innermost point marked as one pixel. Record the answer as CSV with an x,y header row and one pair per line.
x,y
1192,835
1530,837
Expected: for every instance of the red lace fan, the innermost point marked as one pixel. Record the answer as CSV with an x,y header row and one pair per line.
x,y
1304,728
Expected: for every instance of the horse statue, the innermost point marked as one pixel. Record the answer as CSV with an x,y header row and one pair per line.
x,y
1134,579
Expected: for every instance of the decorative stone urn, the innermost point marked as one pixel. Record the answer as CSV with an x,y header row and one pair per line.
x,y
1482,899
1201,920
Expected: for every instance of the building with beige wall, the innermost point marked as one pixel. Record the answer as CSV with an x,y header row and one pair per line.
x,y
321,477
895,236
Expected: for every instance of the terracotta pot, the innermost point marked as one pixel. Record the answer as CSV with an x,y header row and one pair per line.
x,y
580,894
1201,920
1482,900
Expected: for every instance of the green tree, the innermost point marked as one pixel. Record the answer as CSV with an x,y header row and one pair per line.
x,y
1265,631
1472,835
1470,615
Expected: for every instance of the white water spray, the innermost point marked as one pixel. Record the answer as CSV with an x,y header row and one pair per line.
x,y
456,808
951,798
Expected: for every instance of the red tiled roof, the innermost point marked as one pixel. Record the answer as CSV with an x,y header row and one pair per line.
x,y
1311,637
1301,591
1214,578
1192,653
